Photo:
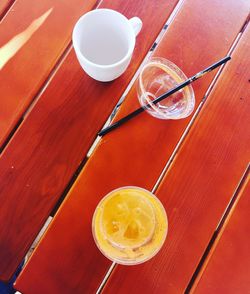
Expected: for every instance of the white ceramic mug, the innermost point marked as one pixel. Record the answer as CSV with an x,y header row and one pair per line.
x,y
104,42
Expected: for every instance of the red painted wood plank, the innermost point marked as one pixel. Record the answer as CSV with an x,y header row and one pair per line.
x,y
199,185
228,268
43,155
127,156
32,38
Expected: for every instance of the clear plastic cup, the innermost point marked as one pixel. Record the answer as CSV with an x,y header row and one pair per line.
x,y
129,225
158,76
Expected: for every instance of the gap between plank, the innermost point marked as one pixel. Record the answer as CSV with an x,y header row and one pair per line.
x,y
94,144
189,126
218,232
156,42
83,162
6,10
145,60
36,96
109,272
43,87
231,49
97,139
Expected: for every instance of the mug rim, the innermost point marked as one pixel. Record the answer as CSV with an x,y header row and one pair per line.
x,y
104,66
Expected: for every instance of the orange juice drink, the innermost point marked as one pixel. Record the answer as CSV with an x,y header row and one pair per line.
x,y
129,225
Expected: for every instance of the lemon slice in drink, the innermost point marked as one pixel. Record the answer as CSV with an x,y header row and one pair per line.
x,y
128,220
129,225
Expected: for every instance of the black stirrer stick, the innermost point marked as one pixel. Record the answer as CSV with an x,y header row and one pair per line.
x,y
165,95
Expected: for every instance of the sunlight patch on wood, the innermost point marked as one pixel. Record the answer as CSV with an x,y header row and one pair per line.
x,y
16,43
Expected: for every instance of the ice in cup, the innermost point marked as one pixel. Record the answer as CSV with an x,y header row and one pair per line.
x,y
158,76
129,225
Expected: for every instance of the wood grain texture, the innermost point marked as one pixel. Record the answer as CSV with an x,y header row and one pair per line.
x,y
4,5
134,154
43,155
228,268
32,38
199,184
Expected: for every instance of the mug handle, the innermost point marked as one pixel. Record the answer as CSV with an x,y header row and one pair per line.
x,y
136,24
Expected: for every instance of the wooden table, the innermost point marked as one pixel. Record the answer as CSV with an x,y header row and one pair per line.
x,y
51,112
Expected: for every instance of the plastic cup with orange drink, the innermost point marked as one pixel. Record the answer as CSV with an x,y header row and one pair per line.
x,y
129,225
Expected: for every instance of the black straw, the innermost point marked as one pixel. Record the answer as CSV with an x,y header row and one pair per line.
x,y
165,95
